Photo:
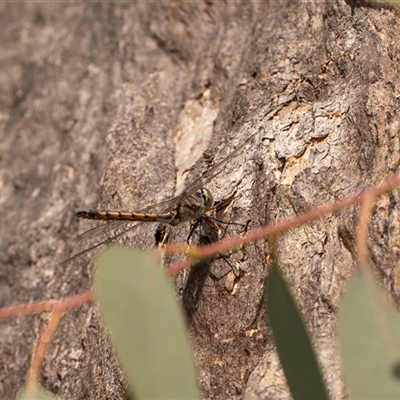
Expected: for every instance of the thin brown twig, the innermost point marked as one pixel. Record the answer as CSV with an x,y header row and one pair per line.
x,y
362,229
50,305
40,349
378,301
259,233
197,252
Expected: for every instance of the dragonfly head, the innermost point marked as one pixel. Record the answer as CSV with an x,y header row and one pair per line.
x,y
207,198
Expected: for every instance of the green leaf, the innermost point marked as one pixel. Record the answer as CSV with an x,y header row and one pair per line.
x,y
147,325
369,334
35,394
292,341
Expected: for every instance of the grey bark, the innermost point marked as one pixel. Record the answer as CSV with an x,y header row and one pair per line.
x,y
108,104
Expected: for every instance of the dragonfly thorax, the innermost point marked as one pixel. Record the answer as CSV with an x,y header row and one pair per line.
x,y
193,207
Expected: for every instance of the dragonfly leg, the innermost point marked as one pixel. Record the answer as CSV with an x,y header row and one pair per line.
x,y
160,235
192,230
206,228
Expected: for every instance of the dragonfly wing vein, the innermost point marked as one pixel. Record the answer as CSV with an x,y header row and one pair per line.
x,y
211,173
105,241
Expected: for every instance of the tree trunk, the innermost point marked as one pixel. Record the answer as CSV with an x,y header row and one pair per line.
x,y
109,103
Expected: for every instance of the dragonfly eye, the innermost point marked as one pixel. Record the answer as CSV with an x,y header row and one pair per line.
x,y
207,198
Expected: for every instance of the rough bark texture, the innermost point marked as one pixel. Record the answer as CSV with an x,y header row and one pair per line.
x,y
107,104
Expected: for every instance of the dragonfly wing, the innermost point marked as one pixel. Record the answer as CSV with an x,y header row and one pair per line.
x,y
212,172
81,253
108,240
100,230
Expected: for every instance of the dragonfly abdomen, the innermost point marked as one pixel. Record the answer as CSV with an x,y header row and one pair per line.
x,y
123,216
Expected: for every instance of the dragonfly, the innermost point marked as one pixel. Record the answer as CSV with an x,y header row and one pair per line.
x,y
192,203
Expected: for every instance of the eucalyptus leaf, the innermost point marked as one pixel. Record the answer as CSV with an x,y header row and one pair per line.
x,y
369,334
147,325
292,341
35,394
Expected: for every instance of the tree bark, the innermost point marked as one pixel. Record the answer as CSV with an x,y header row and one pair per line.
x,y
110,103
